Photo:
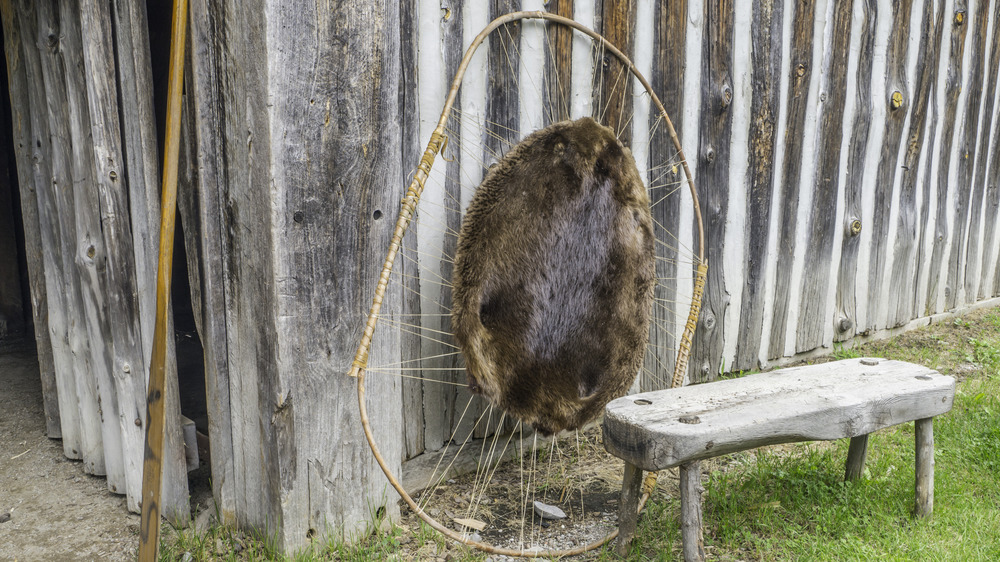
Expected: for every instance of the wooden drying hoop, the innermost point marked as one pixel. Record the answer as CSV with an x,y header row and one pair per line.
x,y
413,192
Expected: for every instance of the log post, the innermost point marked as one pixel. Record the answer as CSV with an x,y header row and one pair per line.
x,y
856,455
691,535
924,430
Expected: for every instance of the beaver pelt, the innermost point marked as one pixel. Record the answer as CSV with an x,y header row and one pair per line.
x,y
554,277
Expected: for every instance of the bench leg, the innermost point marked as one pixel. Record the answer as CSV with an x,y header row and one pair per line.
x,y
924,430
691,537
856,455
629,508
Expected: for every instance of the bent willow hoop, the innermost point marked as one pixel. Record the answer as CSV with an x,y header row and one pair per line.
x,y
406,213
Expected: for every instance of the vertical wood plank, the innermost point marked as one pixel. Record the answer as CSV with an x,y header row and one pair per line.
x,y
715,130
558,64
975,267
206,86
17,82
612,80
139,138
766,53
953,87
857,452
992,178
87,250
667,80
904,262
845,322
409,110
41,147
800,69
628,507
966,152
325,268
898,101
692,539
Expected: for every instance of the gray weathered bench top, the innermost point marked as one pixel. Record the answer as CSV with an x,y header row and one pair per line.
x,y
848,398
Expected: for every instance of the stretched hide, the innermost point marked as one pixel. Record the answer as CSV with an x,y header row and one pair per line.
x,y
554,277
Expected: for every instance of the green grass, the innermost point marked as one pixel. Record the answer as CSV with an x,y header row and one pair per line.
x,y
790,502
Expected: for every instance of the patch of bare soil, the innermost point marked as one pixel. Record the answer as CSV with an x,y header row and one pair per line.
x,y
53,510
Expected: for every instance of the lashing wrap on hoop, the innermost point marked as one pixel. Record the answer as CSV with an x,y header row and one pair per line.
x,y
692,322
437,143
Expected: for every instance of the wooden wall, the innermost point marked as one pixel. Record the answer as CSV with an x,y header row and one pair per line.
x,y
846,155
85,146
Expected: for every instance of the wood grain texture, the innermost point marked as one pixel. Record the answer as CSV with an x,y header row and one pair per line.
x,y
924,487
857,452
814,313
992,204
980,242
41,167
17,82
715,131
953,87
325,267
966,152
558,64
904,270
667,80
845,322
613,84
142,175
800,72
70,90
628,507
898,101
765,55
205,85
815,402
692,540
410,150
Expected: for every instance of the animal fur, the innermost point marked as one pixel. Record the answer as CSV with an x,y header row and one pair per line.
x,y
554,277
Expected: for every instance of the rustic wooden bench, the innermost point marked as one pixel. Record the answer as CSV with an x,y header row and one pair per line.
x,y
851,398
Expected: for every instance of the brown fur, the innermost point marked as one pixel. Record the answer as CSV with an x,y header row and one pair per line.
x,y
554,277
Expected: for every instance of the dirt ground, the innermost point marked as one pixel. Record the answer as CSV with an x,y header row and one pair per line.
x,y
56,512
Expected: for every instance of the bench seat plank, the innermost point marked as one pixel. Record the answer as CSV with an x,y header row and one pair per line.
x,y
848,398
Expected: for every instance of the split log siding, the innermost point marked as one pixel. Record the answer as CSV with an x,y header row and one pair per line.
x,y
846,156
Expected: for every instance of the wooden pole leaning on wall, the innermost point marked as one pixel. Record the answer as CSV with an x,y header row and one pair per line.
x,y
152,466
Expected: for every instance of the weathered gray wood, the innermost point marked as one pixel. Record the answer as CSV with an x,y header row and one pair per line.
x,y
845,321
68,88
41,142
800,69
17,82
814,314
857,452
966,150
715,131
139,138
656,430
613,87
628,507
205,86
925,75
691,536
953,87
924,437
765,56
558,77
409,110
897,103
992,210
975,267
319,286
667,79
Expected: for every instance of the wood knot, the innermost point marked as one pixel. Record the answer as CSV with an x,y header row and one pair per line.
x,y
710,155
690,420
643,402
855,227
91,252
800,70
869,362
845,324
897,99
727,96
959,17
